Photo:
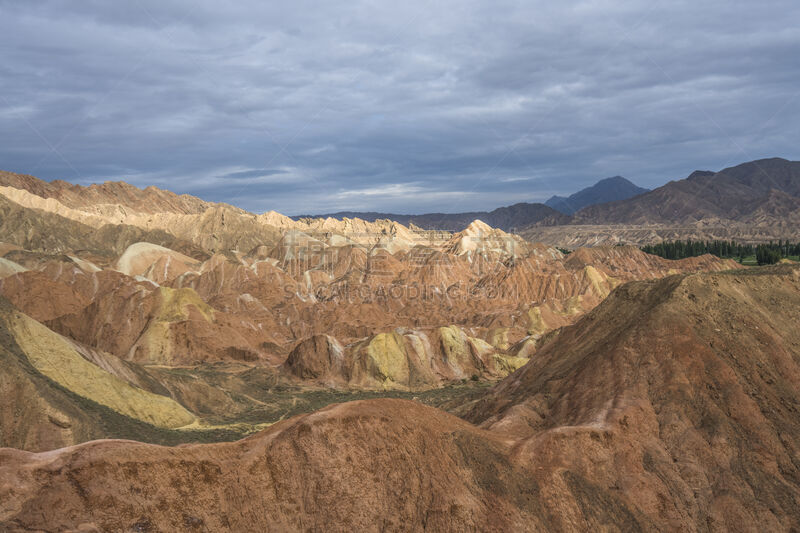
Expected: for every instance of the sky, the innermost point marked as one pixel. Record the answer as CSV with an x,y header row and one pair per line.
x,y
402,107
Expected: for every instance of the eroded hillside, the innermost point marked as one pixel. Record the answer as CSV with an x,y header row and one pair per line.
x,y
670,406
279,316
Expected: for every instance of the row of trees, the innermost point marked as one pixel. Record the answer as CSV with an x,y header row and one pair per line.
x,y
765,254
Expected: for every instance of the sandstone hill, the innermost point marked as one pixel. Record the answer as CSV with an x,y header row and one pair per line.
x,y
679,395
671,406
160,307
52,396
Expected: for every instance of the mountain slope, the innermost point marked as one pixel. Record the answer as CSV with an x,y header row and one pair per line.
x,y
680,394
106,195
754,203
194,222
350,467
52,396
606,190
43,231
731,194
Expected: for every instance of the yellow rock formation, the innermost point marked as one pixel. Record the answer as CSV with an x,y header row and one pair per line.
x,y
55,357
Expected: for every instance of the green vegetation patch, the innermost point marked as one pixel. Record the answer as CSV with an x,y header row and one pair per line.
x,y
746,254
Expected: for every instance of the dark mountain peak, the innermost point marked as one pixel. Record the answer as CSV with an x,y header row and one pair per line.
x,y
613,180
697,174
606,190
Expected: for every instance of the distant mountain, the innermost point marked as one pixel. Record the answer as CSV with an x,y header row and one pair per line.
x,y
607,190
506,218
753,202
764,191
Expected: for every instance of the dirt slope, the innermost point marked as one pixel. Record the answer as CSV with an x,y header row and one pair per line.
x,y
382,465
672,406
681,394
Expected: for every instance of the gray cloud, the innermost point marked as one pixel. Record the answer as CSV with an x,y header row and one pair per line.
x,y
441,106
251,174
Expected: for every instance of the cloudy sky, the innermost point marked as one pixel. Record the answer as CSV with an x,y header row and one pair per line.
x,y
311,107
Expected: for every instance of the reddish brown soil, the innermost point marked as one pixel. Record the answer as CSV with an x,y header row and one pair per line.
x,y
670,407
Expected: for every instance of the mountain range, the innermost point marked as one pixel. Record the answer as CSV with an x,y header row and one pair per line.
x,y
511,218
753,202
744,193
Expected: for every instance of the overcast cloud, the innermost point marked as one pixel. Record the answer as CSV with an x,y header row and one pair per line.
x,y
309,107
